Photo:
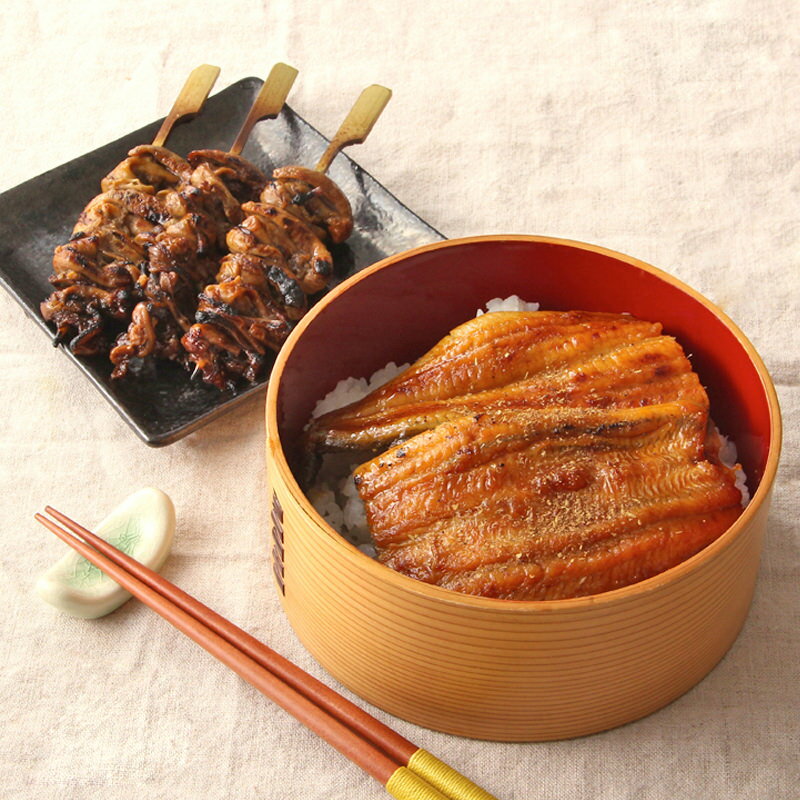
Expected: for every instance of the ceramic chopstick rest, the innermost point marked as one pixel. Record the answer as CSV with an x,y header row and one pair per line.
x,y
141,526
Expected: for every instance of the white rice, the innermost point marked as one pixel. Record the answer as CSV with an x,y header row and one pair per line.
x,y
729,456
335,496
351,389
513,303
336,499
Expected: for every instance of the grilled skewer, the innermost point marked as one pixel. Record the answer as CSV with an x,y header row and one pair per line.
x,y
245,316
310,194
144,252
185,258
98,274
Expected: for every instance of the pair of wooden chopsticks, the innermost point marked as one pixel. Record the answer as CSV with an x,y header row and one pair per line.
x,y
407,772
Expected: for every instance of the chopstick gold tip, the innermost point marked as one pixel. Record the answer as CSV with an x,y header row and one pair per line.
x,y
446,779
407,785
337,734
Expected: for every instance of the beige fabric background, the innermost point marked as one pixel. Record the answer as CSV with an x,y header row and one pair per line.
x,y
665,130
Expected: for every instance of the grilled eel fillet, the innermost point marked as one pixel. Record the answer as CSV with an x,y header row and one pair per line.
x,y
514,359
542,455
532,504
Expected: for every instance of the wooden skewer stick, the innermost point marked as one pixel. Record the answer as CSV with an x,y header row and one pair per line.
x,y
357,124
189,102
268,103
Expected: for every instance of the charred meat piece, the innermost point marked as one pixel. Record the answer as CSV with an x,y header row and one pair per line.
x,y
217,197
148,169
307,259
98,276
244,315
312,197
151,240
220,360
157,323
182,259
138,215
107,258
84,316
237,326
243,179
188,245
152,332
269,276
531,504
247,315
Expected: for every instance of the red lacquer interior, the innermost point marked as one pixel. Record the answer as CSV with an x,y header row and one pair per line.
x,y
400,310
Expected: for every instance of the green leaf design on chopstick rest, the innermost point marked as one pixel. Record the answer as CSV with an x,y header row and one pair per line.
x,y
142,526
124,537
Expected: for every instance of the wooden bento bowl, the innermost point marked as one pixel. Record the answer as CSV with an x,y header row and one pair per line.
x,y
499,669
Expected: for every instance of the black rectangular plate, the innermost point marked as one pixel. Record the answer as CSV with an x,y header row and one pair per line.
x,y
162,404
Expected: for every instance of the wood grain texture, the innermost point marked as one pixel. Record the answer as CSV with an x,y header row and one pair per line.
x,y
190,101
520,671
357,124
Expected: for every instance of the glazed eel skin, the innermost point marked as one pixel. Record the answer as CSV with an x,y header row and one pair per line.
x,y
539,456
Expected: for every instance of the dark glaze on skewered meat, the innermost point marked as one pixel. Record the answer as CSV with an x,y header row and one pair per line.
x,y
248,312
224,206
306,256
238,326
312,197
277,258
145,251
81,313
153,236
267,274
149,169
137,214
243,179
98,274
183,258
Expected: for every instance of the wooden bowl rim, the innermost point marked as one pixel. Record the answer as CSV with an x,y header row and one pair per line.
x,y
432,592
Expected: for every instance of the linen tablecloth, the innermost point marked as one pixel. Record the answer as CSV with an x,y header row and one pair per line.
x,y
668,131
